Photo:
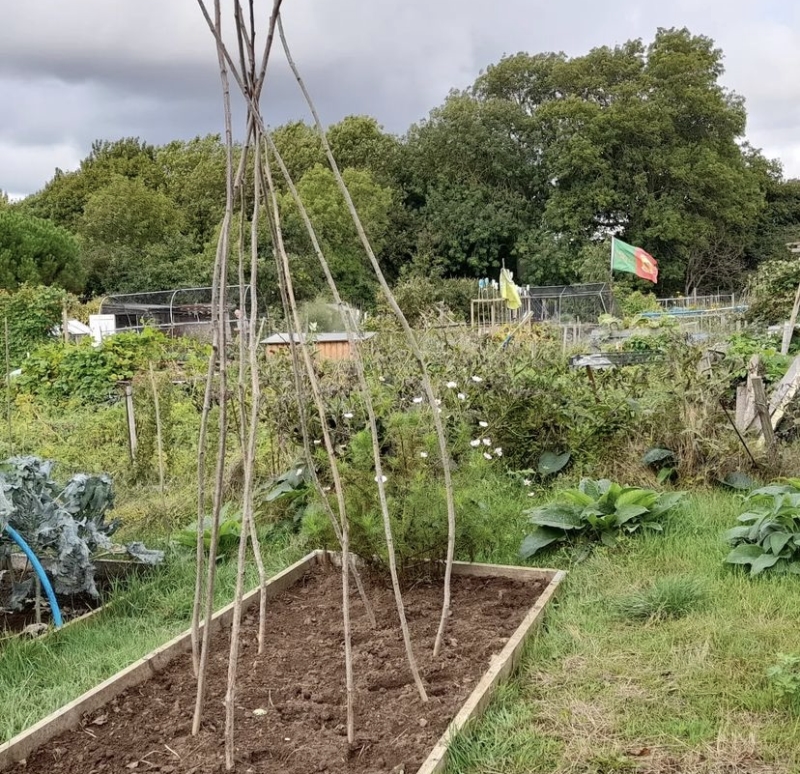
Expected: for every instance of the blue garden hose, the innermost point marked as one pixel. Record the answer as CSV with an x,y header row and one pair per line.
x,y
39,570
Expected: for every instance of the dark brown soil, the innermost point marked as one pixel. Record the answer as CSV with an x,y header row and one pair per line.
x,y
290,714
14,621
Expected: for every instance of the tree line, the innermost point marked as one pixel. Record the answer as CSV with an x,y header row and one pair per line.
x,y
533,167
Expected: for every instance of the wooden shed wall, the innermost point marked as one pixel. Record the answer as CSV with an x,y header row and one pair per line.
x,y
330,350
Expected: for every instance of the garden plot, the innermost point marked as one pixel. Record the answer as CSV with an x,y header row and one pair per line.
x,y
290,704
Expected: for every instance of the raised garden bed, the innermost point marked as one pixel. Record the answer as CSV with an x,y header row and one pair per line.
x,y
290,701
74,607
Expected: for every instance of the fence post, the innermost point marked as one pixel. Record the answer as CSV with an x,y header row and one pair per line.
x,y
128,387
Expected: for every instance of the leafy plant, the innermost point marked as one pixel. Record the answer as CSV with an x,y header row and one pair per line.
x,y
739,481
784,676
230,528
669,597
596,510
662,461
64,526
551,463
287,492
59,372
769,537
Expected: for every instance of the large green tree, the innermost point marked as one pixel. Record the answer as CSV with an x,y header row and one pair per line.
x,y
37,252
645,143
335,230
63,199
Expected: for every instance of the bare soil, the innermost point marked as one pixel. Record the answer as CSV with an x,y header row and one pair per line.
x,y
290,702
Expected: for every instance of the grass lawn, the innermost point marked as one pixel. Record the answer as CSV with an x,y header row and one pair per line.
x,y
604,688
601,692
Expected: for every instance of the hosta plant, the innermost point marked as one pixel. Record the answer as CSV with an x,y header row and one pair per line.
x,y
596,511
769,536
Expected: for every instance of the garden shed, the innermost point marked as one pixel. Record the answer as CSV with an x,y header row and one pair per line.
x,y
331,346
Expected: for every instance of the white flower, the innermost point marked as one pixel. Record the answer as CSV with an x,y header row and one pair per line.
x,y
381,378
438,402
526,482
531,494
477,379
317,442
326,489
452,385
487,455
487,441
498,452
461,396
299,472
417,400
383,479
424,455
483,424
348,415
475,444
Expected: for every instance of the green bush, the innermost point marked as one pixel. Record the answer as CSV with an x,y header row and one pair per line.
x,y
784,676
634,302
31,313
81,371
770,536
421,296
596,511
772,291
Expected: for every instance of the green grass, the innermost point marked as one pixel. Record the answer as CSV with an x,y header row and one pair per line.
x,y
653,658
598,692
671,596
39,676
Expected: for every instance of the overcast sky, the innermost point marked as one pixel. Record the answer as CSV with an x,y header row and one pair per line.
x,y
72,72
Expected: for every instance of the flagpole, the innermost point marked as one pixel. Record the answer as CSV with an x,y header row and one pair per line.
x,y
611,276
611,267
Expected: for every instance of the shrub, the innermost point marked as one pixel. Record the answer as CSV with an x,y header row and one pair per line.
x,y
772,291
596,510
634,302
422,296
770,536
32,314
58,372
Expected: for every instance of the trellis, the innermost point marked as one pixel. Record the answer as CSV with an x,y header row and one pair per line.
x,y
251,195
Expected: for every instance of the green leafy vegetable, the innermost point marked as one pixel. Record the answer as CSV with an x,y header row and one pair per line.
x,y
598,511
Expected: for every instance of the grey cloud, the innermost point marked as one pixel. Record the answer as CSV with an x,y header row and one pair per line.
x,y
74,72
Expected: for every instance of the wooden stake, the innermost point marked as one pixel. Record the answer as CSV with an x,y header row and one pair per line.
x,y
413,345
762,409
7,348
788,329
131,417
220,315
159,436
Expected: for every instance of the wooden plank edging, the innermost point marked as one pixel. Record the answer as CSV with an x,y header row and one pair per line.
x,y
23,744
501,667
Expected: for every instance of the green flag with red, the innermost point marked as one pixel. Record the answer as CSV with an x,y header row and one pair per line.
x,y
625,257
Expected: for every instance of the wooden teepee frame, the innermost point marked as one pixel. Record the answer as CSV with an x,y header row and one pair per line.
x,y
255,168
